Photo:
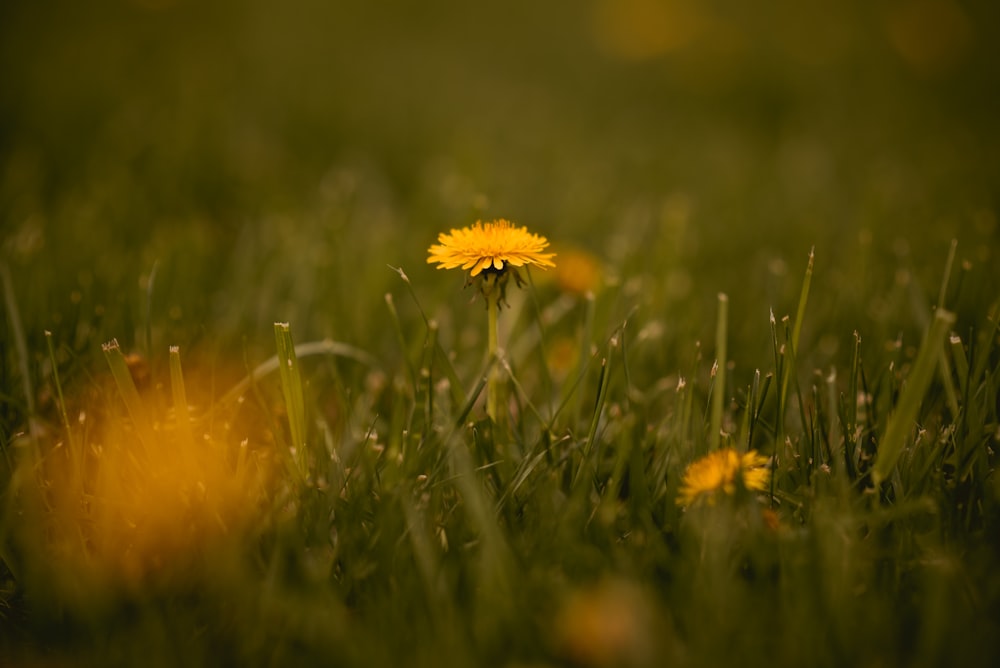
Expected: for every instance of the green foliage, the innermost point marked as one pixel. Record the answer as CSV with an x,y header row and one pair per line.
x,y
178,176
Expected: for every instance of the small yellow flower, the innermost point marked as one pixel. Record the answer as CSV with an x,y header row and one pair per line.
x,y
490,246
720,470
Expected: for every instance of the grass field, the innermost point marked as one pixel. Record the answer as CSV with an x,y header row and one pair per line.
x,y
243,421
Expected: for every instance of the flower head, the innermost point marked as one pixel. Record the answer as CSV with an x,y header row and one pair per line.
x,y
720,470
489,246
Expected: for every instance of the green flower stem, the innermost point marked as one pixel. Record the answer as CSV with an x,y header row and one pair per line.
x,y
491,291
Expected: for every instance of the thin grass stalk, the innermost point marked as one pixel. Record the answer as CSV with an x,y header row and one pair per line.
x,y
797,328
835,434
63,414
129,393
944,368
570,393
291,389
76,455
685,398
779,417
182,414
625,367
586,336
148,315
948,381
602,392
522,395
851,411
985,343
943,292
457,391
493,398
471,400
20,345
757,407
401,339
791,364
744,432
622,458
719,373
779,375
961,363
905,416
427,376
413,294
800,312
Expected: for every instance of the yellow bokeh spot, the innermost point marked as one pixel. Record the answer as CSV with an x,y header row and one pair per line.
x,y
638,30
156,505
606,624
578,271
109,510
931,36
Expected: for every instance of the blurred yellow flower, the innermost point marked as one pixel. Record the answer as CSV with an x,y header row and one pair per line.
x,y
110,508
638,30
578,272
490,246
611,623
932,36
719,471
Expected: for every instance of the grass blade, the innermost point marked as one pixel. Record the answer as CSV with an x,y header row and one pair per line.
x,y
63,415
719,371
181,413
17,333
797,328
129,393
912,395
291,388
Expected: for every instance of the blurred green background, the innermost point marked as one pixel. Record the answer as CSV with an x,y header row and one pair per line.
x,y
175,172
264,161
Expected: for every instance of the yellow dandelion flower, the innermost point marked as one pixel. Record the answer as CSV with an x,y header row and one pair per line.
x,y
719,471
486,246
492,252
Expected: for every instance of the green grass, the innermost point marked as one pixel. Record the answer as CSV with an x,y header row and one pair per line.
x,y
788,235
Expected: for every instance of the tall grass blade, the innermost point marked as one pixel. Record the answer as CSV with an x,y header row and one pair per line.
x,y
943,293
603,382
291,388
800,313
17,333
779,375
63,415
595,419
905,416
148,315
586,336
401,339
961,363
951,395
719,384
76,454
182,414
129,393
